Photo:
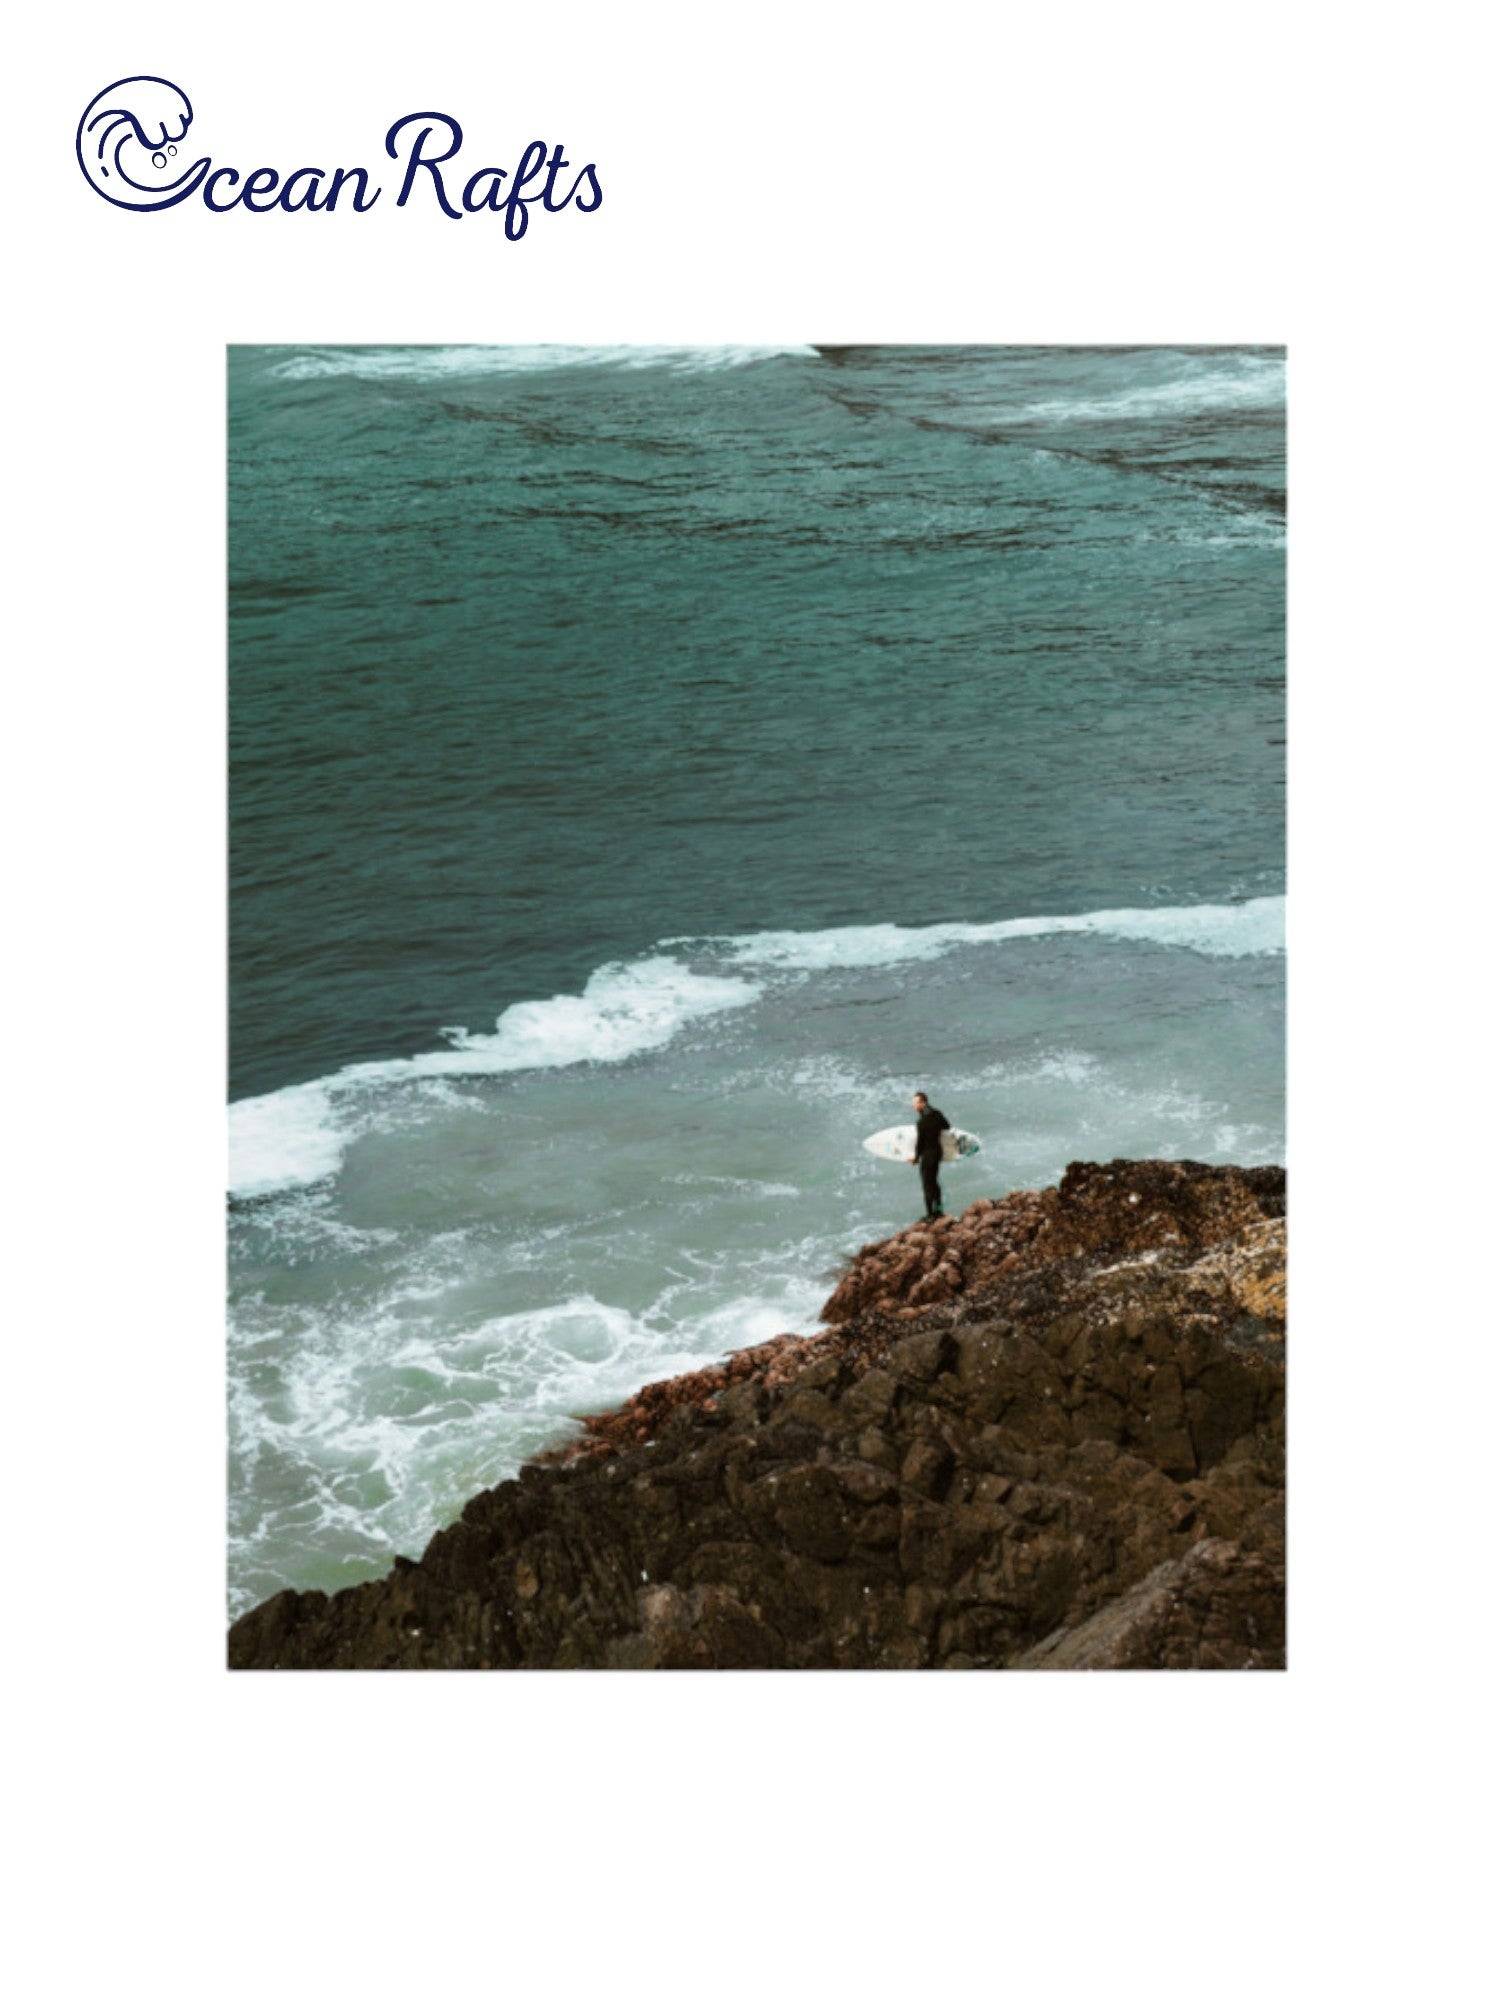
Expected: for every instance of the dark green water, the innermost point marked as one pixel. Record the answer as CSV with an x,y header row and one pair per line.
x,y
813,661
533,667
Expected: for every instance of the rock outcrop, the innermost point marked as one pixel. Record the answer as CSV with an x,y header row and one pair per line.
x,y
1046,1434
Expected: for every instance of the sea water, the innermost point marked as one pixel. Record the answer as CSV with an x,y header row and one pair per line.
x,y
647,769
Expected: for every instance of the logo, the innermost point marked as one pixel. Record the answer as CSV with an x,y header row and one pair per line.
x,y
132,149
128,144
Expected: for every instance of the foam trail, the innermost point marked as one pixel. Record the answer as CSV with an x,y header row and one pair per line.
x,y
283,1140
429,363
623,1011
1221,930
1259,382
294,1137
388,1423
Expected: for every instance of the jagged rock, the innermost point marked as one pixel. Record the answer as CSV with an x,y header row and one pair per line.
x,y
1070,1453
1118,1209
926,1467
1218,1606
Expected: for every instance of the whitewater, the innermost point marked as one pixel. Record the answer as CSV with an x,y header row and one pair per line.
x,y
293,1137
440,1261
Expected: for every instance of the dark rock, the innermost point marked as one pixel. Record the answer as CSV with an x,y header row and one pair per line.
x,y
1216,1606
872,1446
811,1511
870,1400
870,1483
925,1354
926,1468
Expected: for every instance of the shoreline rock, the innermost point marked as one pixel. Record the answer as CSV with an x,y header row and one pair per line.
x,y
1048,1433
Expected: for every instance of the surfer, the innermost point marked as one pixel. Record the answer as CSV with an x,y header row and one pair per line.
x,y
928,1147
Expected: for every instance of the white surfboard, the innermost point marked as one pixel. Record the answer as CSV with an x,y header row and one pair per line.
x,y
896,1144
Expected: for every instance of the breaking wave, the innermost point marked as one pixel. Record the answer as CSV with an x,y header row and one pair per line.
x,y
1221,930
296,1137
480,360
1243,385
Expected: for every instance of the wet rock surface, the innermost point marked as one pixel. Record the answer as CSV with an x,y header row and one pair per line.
x,y
1047,1434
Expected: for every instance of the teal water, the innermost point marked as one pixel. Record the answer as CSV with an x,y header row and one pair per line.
x,y
646,768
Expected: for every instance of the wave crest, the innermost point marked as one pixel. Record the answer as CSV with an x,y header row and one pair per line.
x,y
1220,930
1246,384
479,360
297,1137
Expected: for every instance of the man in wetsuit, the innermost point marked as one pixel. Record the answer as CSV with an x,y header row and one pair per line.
x,y
929,1145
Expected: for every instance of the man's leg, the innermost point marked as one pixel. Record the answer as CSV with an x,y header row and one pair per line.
x,y
929,1169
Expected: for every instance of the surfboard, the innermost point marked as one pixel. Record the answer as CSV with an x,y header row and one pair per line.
x,y
896,1144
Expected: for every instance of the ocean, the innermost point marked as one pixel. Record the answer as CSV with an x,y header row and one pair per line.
x,y
648,767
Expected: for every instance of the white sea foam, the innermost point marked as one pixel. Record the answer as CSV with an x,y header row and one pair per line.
x,y
1242,385
624,1010
745,1186
476,360
297,1136
1241,528
282,1140
378,1419
1221,930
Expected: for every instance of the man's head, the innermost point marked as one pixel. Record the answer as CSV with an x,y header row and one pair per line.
x,y
921,1100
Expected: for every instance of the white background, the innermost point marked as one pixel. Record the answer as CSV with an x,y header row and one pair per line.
x,y
1315,175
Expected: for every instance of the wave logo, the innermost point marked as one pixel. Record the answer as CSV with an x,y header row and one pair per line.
x,y
129,142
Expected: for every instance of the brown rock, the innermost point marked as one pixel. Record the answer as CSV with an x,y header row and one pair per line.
x,y
926,1468
1216,1606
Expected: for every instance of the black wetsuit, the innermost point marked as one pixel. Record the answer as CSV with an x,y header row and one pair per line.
x,y
928,1148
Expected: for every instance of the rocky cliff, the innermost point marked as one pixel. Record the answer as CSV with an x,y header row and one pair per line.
x,y
1047,1433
